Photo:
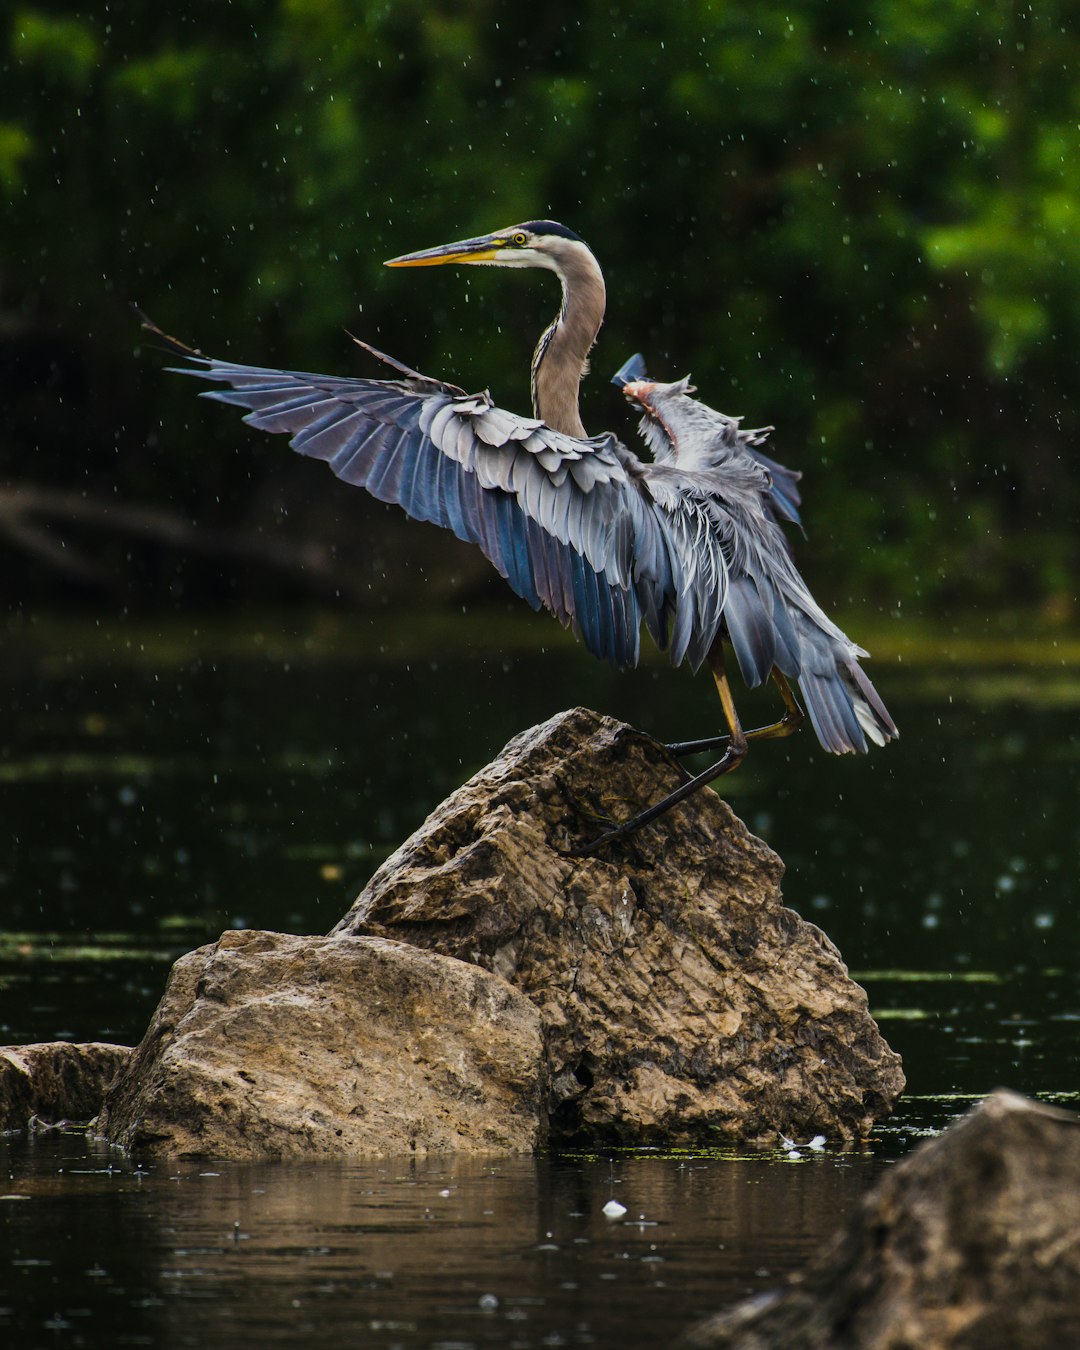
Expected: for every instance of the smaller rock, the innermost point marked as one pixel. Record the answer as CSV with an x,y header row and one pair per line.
x,y
971,1243
271,1045
56,1081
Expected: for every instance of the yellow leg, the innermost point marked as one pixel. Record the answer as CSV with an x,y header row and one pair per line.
x,y
791,721
737,738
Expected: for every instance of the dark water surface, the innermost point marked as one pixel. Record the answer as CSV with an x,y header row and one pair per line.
x,y
158,786
397,1253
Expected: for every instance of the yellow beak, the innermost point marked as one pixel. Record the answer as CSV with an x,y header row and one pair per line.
x,y
465,251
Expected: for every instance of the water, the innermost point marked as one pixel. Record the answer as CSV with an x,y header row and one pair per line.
x,y
443,1252
157,786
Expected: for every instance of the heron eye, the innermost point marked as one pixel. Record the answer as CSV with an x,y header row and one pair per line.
x,y
521,239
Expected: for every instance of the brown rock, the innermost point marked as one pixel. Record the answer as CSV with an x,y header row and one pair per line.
x,y
971,1243
55,1081
269,1045
678,996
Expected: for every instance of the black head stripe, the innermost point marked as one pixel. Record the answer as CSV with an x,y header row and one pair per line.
x,y
551,227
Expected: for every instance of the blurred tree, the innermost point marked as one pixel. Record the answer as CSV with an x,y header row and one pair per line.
x,y
855,220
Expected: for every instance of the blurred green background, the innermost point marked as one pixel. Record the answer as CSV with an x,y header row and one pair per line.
x,y
857,221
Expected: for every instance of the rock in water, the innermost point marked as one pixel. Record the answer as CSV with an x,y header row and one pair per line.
x,y
55,1081
663,992
971,1243
269,1045
679,998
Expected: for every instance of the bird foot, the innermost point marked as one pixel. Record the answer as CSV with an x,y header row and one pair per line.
x,y
680,748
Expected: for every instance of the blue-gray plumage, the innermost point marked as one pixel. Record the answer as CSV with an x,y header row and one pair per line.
x,y
690,544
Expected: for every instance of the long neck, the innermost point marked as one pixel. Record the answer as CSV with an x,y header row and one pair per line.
x,y
559,362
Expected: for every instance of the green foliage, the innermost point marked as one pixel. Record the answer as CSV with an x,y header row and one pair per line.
x,y
65,50
15,146
856,220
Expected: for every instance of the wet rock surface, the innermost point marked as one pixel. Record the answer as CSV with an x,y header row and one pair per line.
x,y
679,999
970,1243
270,1045
55,1081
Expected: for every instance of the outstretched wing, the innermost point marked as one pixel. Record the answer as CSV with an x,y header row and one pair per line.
x,y
569,523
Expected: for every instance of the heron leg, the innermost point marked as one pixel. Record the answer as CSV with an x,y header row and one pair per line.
x,y
734,752
791,721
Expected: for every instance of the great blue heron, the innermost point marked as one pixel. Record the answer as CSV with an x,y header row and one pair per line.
x,y
689,543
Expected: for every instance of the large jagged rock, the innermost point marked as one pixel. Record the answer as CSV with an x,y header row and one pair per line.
x,y
55,1081
269,1045
663,992
971,1243
679,998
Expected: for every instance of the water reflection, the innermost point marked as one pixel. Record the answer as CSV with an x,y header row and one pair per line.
x,y
403,1252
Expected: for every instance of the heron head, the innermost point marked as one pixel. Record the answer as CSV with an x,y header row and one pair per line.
x,y
536,243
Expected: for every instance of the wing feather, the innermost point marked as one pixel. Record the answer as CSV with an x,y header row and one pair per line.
x,y
391,471
567,522
751,631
